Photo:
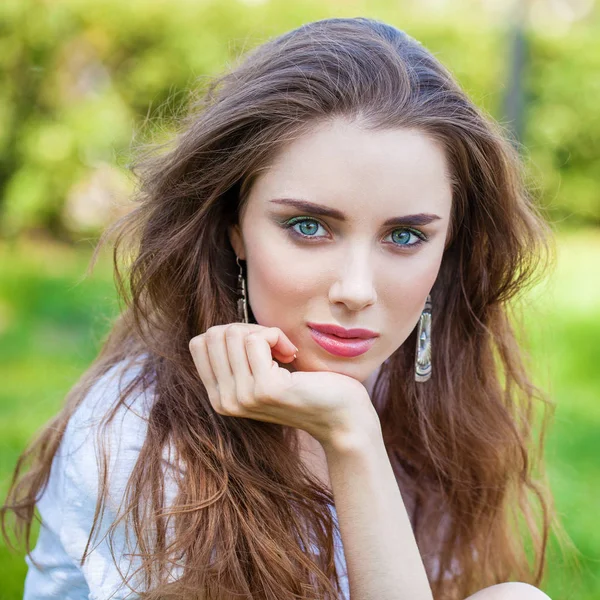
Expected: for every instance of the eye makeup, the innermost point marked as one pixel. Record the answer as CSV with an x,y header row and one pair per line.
x,y
289,225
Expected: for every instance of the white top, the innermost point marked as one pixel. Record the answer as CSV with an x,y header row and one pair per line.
x,y
68,503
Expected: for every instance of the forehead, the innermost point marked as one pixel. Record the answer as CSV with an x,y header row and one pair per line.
x,y
345,165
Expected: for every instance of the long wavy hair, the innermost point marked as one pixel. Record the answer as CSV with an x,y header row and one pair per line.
x,y
462,445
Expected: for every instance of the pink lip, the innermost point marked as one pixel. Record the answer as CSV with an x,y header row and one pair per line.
x,y
347,347
342,332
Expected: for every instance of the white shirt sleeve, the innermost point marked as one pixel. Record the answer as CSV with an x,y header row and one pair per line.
x,y
68,503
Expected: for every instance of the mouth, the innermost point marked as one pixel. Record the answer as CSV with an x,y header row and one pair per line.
x,y
342,332
348,347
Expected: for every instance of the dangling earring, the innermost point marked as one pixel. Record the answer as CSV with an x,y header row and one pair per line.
x,y
242,304
423,354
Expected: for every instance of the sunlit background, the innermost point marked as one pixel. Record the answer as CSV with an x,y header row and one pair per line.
x,y
85,82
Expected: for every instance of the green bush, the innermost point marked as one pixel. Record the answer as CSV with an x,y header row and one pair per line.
x,y
83,80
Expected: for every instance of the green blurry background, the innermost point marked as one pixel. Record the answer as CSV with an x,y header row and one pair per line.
x,y
84,81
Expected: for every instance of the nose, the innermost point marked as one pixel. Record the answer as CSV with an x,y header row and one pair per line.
x,y
354,287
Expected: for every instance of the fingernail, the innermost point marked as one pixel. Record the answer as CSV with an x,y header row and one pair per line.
x,y
294,355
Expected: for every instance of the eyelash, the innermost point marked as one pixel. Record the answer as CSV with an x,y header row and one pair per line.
x,y
297,220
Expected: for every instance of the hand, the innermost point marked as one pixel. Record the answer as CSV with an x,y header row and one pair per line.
x,y
235,363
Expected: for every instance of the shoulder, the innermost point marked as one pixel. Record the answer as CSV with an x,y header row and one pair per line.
x,y
67,506
90,434
105,394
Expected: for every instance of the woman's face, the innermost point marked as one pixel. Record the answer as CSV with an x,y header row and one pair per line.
x,y
346,227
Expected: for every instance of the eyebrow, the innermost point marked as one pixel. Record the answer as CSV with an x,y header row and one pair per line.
x,y
319,209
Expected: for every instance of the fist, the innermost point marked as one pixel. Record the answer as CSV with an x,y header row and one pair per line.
x,y
235,363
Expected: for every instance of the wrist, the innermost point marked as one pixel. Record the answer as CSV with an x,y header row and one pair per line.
x,y
365,433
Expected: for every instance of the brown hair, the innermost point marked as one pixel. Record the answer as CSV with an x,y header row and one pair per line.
x,y
461,444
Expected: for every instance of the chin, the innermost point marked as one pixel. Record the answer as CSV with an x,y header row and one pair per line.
x,y
344,366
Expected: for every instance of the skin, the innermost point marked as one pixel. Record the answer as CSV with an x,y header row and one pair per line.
x,y
356,274
353,273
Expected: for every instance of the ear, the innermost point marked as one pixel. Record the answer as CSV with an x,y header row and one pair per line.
x,y
237,241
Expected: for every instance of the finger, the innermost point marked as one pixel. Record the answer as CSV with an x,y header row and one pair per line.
x,y
282,347
219,361
279,343
258,350
199,353
235,337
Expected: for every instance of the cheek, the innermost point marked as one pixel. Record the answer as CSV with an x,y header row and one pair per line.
x,y
280,285
405,294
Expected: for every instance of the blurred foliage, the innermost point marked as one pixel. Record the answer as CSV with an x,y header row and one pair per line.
x,y
84,80
564,122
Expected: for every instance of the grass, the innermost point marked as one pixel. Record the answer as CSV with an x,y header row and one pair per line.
x,y
52,324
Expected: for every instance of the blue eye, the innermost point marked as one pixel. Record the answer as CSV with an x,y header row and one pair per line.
x,y
404,236
307,227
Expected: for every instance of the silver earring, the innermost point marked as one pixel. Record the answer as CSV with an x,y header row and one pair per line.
x,y
423,354
242,303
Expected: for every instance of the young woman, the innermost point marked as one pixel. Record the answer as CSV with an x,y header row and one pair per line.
x,y
317,331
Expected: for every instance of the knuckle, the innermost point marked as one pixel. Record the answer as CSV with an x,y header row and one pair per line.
x,y
233,331
277,331
212,334
228,402
246,400
252,338
232,410
216,404
196,342
227,398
